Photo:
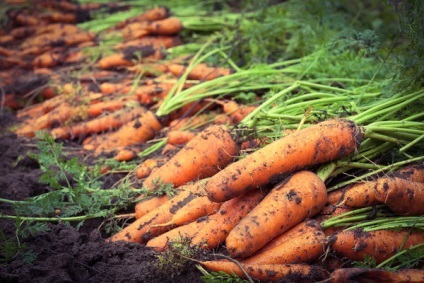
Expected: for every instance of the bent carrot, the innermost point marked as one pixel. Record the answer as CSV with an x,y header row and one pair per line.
x,y
220,224
203,156
316,144
301,196
269,272
142,230
356,274
404,197
380,244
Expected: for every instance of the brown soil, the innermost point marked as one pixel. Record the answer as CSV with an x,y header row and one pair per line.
x,y
65,254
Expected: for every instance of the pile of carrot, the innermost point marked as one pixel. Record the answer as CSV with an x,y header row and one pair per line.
x,y
261,200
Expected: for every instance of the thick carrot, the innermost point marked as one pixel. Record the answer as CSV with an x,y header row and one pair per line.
x,y
179,137
137,131
295,249
220,224
168,26
380,244
269,272
316,144
301,196
404,197
413,172
113,61
148,204
188,231
98,124
142,230
356,274
356,196
203,156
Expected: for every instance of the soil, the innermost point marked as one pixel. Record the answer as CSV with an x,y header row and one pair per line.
x,y
67,254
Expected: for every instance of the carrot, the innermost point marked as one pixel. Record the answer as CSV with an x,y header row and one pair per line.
x,y
235,111
157,41
50,58
137,131
126,155
113,61
355,196
295,249
99,124
149,204
154,14
58,17
109,106
413,172
268,272
356,274
168,26
220,224
141,230
188,231
203,156
379,244
301,196
21,32
404,197
179,137
316,144
146,168
199,72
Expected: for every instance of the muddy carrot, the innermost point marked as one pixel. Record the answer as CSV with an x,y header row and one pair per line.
x,y
356,274
168,26
379,244
220,224
413,173
203,156
179,137
154,14
268,272
356,196
148,204
316,144
301,196
146,168
141,230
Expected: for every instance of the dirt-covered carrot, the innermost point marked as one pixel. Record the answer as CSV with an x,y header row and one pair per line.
x,y
220,224
300,196
98,124
414,172
357,195
269,272
181,233
146,168
200,71
402,196
146,227
203,156
148,204
179,137
380,244
133,132
316,144
356,274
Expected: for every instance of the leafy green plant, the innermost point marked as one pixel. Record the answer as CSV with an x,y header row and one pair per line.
x,y
219,277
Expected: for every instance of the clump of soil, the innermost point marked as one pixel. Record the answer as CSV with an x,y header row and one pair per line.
x,y
66,254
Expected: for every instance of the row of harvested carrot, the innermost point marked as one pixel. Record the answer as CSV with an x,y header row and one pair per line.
x,y
273,227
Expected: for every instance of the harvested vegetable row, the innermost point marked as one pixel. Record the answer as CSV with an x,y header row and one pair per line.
x,y
325,141
356,274
300,196
203,156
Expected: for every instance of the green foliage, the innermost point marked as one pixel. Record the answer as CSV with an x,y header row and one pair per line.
x,y
220,277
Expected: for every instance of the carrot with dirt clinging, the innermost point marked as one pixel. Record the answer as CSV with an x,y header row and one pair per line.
x,y
300,196
323,142
154,14
146,168
179,137
360,274
148,204
203,156
380,244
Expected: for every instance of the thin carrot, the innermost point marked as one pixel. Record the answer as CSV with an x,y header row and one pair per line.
x,y
146,168
268,272
141,230
199,72
98,124
301,196
148,204
404,197
179,137
356,196
136,131
113,61
379,244
125,155
356,274
220,224
203,156
157,41
154,14
316,144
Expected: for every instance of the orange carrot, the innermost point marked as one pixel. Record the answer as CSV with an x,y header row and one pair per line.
x,y
380,244
356,196
50,59
188,231
114,60
137,131
300,248
316,144
109,106
154,14
199,72
356,274
301,196
168,26
235,111
404,197
99,124
179,137
413,172
146,168
158,41
125,155
269,272
148,204
220,224
142,230
203,156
